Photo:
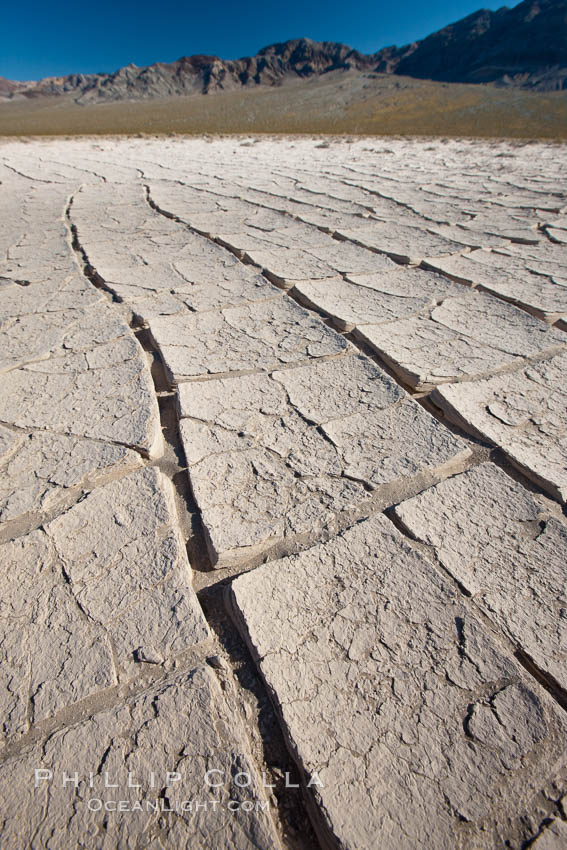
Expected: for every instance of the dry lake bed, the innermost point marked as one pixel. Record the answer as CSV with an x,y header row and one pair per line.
x,y
283,447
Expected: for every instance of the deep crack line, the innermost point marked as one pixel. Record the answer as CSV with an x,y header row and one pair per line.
x,y
547,682
173,465
81,256
240,253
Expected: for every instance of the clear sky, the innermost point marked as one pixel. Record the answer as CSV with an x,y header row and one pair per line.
x,y
42,38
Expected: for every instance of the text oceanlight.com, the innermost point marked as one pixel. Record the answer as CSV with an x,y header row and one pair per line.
x,y
171,784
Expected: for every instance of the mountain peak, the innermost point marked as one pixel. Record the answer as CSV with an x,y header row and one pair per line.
x,y
524,46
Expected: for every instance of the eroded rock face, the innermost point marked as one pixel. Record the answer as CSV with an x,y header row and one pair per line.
x,y
155,751
391,690
523,47
490,534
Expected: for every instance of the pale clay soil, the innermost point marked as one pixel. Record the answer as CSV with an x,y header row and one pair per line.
x,y
283,448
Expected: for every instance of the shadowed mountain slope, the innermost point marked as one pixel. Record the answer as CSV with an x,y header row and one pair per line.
x,y
522,47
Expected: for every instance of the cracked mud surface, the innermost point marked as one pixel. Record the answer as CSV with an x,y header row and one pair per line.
x,y
283,453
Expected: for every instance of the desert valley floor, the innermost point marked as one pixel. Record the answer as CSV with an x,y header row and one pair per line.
x,y
283,447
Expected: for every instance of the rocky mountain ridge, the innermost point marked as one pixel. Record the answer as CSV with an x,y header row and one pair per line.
x,y
525,46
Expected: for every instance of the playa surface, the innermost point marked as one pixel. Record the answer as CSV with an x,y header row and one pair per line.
x,y
283,459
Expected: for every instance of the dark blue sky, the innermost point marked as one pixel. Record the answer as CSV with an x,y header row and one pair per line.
x,y
50,37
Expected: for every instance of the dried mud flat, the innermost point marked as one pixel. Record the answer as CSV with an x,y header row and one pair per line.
x,y
283,448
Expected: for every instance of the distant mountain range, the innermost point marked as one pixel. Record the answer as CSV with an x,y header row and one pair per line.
x,y
525,47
